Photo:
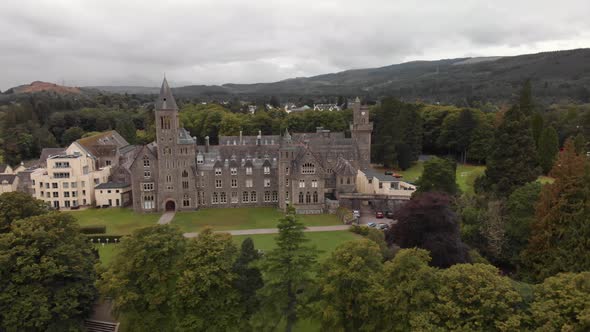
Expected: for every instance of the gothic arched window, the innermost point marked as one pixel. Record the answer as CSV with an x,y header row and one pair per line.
x,y
301,197
315,196
184,174
308,198
308,168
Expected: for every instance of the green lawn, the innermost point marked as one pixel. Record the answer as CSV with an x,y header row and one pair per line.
x,y
106,253
243,218
119,221
466,174
324,241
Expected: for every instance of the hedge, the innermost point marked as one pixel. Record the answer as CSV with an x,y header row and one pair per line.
x,y
95,229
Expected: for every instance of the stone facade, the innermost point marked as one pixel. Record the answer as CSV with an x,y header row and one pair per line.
x,y
298,170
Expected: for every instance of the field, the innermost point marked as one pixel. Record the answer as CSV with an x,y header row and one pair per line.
x,y
243,218
118,221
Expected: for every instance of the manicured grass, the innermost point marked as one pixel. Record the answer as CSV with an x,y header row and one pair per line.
x,y
242,218
119,221
466,175
324,241
106,253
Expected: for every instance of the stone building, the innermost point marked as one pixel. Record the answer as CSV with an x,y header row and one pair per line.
x,y
298,170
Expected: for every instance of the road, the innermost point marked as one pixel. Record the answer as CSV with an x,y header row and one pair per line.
x,y
276,230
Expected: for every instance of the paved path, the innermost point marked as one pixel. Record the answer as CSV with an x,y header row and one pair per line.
x,y
166,218
276,230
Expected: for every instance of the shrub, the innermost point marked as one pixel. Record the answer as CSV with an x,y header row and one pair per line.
x,y
361,230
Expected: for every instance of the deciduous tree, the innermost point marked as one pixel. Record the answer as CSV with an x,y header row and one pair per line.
x,y
439,176
142,278
18,205
345,280
47,273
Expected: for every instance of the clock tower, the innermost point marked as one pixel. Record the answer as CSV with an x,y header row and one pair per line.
x,y
361,129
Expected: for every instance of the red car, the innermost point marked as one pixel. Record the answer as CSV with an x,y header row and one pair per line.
x,y
379,214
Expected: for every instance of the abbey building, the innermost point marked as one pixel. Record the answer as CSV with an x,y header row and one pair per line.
x,y
301,170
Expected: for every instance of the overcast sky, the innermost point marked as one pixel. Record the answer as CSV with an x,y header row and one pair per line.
x,y
134,42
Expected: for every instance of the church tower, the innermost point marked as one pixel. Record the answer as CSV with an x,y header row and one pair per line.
x,y
361,130
176,156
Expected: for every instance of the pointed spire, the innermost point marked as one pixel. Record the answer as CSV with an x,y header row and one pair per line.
x,y
166,99
357,100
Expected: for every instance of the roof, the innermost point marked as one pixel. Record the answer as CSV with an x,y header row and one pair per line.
x,y
184,137
380,175
344,168
103,144
112,185
7,177
3,168
166,99
46,152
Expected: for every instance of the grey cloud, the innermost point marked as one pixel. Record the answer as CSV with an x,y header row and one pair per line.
x,y
215,42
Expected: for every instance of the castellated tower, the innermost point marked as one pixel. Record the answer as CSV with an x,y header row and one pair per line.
x,y
361,130
176,156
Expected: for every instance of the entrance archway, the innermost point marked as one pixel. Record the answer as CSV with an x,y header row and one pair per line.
x,y
170,206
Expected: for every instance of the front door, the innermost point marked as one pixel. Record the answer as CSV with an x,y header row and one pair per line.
x,y
170,206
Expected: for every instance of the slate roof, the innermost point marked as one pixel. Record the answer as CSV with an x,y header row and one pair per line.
x,y
103,144
3,168
371,173
112,185
344,168
46,152
7,177
166,100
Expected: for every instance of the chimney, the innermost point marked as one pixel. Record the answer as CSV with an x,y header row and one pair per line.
x,y
240,137
206,143
259,138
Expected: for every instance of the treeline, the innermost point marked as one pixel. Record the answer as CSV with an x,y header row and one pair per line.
x,y
162,281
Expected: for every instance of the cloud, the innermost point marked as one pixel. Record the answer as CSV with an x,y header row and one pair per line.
x,y
214,42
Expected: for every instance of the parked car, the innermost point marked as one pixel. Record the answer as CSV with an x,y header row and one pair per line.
x,y
383,226
379,214
388,214
397,175
388,173
372,224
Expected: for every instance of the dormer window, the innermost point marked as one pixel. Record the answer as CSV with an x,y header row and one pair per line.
x,y
308,168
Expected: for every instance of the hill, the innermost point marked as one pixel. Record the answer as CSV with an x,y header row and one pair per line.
x,y
39,86
562,76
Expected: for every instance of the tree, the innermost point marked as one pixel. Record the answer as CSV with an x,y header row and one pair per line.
x,y
580,143
274,101
512,161
142,278
560,232
537,127
548,148
474,297
439,175
520,214
428,222
344,281
47,273
404,293
205,299
126,128
71,134
18,205
481,139
248,278
561,303
525,103
287,272
457,131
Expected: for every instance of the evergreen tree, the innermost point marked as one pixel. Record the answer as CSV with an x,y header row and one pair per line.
x,y
580,144
537,127
248,278
548,147
512,161
560,232
287,272
526,99
126,128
